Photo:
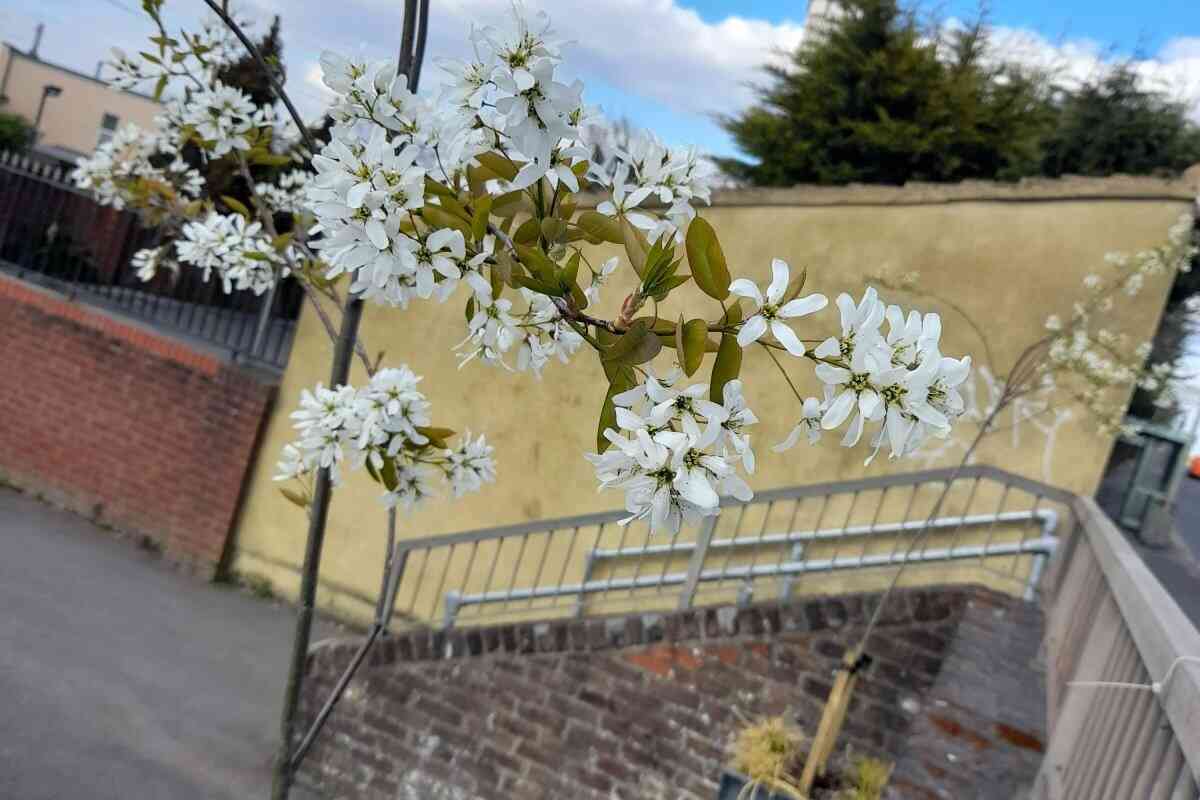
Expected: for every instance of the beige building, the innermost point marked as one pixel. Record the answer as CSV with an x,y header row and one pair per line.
x,y
78,111
1001,257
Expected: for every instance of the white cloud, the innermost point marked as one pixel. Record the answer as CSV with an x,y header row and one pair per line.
x,y
657,53
1175,70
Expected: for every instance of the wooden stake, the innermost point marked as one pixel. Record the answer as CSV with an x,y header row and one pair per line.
x,y
832,719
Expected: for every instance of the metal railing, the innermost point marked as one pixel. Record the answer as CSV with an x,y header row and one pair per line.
x,y
1122,659
994,528
55,235
1123,675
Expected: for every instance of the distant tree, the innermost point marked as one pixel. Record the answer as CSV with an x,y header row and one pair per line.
x,y
15,132
878,97
1115,124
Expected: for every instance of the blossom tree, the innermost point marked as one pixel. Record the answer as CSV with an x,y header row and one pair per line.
x,y
483,193
476,193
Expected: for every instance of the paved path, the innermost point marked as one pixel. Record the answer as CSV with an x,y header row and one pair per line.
x,y
122,679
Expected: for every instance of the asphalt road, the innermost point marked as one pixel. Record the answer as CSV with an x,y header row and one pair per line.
x,y
121,679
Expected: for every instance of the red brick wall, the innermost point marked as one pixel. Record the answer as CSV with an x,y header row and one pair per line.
x,y
132,428
641,707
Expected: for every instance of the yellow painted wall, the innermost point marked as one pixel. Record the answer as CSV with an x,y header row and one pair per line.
x,y
1006,255
72,119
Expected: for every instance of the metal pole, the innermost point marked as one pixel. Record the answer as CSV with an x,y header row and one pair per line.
x,y
264,319
37,120
319,513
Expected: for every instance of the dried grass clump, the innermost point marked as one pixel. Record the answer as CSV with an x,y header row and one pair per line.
x,y
770,753
869,776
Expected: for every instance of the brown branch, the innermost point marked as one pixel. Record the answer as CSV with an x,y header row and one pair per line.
x,y
309,142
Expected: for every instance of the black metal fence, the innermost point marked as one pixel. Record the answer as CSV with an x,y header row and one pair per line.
x,y
54,234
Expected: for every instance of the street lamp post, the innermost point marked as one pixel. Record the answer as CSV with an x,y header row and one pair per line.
x,y
49,90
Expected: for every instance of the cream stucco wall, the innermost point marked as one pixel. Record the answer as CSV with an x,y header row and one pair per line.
x,y
72,119
1006,256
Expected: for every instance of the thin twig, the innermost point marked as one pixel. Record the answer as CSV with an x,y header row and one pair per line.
x,y
783,372
309,142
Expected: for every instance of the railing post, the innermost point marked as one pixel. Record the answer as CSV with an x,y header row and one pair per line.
x,y
696,565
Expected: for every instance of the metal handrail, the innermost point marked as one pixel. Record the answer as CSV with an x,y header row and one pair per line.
x,y
788,567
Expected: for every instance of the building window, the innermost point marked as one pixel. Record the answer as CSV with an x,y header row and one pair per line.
x,y
108,126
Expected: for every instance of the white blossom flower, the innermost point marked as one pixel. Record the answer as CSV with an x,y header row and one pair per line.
x,y
769,314
810,424
860,326
471,465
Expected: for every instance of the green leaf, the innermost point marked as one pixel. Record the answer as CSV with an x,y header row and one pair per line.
x,y
160,87
437,188
636,246
301,499
538,263
554,229
236,206
541,287
726,368
388,474
694,336
438,217
498,164
509,205
709,270
479,221
528,232
570,270
666,286
600,228
622,379
269,159
436,436
636,346
469,310
795,287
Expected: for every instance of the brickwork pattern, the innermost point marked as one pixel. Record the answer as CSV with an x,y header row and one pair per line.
x,y
136,430
643,706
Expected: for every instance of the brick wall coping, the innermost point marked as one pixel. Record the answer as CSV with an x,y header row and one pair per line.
x,y
928,604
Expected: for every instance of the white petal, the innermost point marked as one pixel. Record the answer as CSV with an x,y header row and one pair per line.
x,y
787,337
838,410
354,197
853,432
376,233
791,441
779,281
849,311
830,348
831,374
752,330
897,430
868,403
803,306
746,288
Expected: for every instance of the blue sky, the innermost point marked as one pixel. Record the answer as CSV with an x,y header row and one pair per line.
x,y
668,65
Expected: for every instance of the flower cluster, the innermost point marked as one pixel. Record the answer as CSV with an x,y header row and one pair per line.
x,y
674,452
385,428
150,172
240,254
898,381
1100,359
126,166
649,170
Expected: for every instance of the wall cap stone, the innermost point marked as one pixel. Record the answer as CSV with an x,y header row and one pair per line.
x,y
1068,188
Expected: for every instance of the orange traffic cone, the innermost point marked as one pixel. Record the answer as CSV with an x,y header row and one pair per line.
x,y
1194,467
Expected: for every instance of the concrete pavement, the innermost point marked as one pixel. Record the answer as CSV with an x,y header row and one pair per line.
x,y
122,679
